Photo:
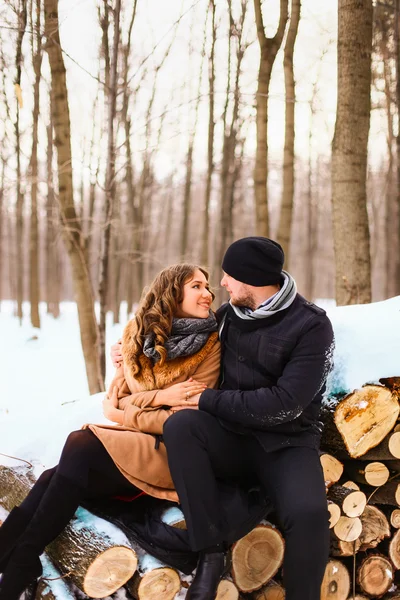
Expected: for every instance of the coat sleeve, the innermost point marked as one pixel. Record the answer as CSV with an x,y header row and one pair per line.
x,y
147,420
125,396
140,414
302,378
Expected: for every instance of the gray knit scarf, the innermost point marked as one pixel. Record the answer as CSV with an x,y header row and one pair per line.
x,y
281,300
187,337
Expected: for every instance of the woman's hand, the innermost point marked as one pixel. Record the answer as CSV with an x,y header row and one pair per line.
x,y
194,404
116,355
110,408
184,394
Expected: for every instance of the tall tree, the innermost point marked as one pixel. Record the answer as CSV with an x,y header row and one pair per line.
x,y
286,213
36,45
397,51
71,224
109,187
52,226
22,19
187,196
210,143
268,50
349,153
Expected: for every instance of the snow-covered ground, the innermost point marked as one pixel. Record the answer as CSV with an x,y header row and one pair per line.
x,y
44,393
43,388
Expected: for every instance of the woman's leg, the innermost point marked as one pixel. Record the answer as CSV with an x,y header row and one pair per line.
x,y
19,518
85,470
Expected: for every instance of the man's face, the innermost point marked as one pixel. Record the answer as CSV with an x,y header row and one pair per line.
x,y
241,294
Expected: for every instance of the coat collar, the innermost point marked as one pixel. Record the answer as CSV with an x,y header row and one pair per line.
x,y
153,377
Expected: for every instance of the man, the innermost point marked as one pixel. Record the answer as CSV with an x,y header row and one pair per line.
x,y
261,423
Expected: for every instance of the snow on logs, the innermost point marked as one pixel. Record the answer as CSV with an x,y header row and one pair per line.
x,y
95,555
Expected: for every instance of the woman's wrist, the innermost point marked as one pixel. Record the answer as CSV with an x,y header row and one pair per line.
x,y
159,398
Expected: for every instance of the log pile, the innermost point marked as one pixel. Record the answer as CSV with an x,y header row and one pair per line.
x,y
361,464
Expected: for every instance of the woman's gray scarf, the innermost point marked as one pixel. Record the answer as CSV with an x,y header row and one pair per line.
x,y
187,337
281,300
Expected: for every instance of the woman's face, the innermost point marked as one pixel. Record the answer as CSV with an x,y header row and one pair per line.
x,y
197,298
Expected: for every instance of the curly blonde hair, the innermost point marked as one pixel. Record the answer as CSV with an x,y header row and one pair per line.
x,y
156,310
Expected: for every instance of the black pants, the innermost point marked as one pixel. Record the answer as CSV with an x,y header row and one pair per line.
x,y
88,466
200,451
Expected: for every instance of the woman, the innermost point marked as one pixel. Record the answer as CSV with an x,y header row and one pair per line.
x,y
171,354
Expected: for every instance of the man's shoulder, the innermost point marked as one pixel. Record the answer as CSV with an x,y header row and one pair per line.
x,y
310,306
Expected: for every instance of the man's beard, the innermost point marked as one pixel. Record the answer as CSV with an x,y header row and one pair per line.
x,y
244,299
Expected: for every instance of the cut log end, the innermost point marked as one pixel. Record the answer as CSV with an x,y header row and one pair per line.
x,y
394,549
336,582
271,591
376,474
257,557
159,583
334,512
332,468
351,485
227,590
354,504
395,518
375,575
365,417
394,444
109,571
348,529
375,527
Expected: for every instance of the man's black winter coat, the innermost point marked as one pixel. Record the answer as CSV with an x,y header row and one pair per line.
x,y
273,374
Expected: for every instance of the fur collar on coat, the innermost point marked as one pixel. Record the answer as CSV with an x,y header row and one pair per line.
x,y
153,376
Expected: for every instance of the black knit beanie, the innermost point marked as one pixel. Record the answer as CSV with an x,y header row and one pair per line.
x,y
254,260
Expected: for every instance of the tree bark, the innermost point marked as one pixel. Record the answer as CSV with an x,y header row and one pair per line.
x,y
210,143
22,19
286,213
109,192
34,229
349,153
71,224
268,50
397,47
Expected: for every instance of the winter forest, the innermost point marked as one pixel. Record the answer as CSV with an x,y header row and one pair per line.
x,y
138,134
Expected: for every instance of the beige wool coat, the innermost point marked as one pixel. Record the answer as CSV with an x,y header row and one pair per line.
x,y
132,445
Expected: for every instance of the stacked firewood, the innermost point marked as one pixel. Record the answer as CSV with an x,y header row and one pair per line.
x,y
361,464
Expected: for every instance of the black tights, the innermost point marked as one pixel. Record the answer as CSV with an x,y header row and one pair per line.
x,y
86,463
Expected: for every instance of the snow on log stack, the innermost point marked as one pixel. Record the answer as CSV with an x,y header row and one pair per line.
x,y
361,462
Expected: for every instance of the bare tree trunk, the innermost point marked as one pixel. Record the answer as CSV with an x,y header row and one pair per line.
x,y
397,46
130,270
286,214
229,170
3,164
22,19
71,224
210,145
109,191
34,229
349,153
389,257
311,208
187,197
52,225
268,50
